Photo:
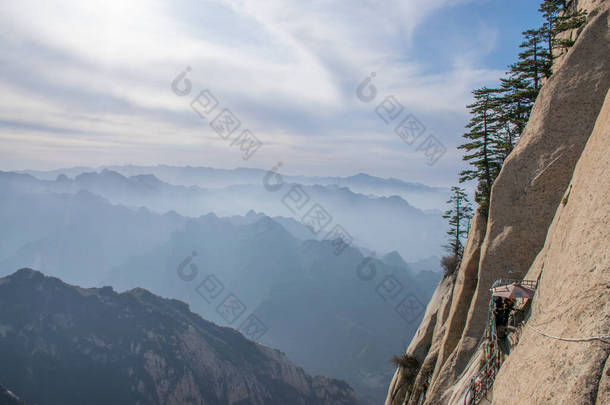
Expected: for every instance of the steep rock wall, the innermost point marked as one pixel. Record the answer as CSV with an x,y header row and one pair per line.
x,y
573,297
442,324
524,200
449,360
535,176
426,339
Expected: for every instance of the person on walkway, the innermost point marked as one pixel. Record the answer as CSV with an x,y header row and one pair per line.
x,y
509,305
501,316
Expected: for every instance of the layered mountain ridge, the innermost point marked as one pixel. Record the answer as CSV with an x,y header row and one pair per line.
x,y
87,240
207,177
136,347
392,223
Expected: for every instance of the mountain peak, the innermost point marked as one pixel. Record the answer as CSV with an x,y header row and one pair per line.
x,y
26,273
394,259
146,347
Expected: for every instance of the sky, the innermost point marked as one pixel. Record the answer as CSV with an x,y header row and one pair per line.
x,y
86,83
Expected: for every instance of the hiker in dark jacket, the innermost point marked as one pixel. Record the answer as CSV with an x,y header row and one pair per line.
x,y
509,304
501,316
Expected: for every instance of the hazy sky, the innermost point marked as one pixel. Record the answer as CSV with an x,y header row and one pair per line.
x,y
89,83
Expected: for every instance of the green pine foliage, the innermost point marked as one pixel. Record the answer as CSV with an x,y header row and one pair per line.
x,y
560,16
458,217
498,115
533,61
481,143
513,108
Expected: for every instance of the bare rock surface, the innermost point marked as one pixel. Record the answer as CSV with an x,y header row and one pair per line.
x,y
426,341
444,318
573,298
465,287
536,175
533,183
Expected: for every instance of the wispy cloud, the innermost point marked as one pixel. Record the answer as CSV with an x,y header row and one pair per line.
x,y
94,77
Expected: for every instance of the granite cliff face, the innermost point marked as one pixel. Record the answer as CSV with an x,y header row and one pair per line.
x,y
61,344
573,299
549,217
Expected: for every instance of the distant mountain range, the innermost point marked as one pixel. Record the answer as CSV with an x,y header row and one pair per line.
x,y
330,313
78,237
62,344
381,224
336,313
417,194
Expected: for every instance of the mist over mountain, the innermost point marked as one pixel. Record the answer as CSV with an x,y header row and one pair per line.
x,y
319,306
311,301
240,202
62,344
78,237
382,224
417,194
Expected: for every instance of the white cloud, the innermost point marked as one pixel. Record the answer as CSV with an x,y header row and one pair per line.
x,y
101,72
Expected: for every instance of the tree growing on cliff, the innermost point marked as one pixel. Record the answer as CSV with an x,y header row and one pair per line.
x,y
458,216
513,108
570,19
518,92
550,11
532,64
499,116
520,88
480,148
560,16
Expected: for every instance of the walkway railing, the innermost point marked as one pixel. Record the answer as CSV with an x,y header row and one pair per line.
x,y
505,281
484,380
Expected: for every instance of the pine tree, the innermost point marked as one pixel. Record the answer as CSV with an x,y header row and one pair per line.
x,y
518,92
559,17
550,11
481,145
499,116
513,110
458,215
533,61
568,20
